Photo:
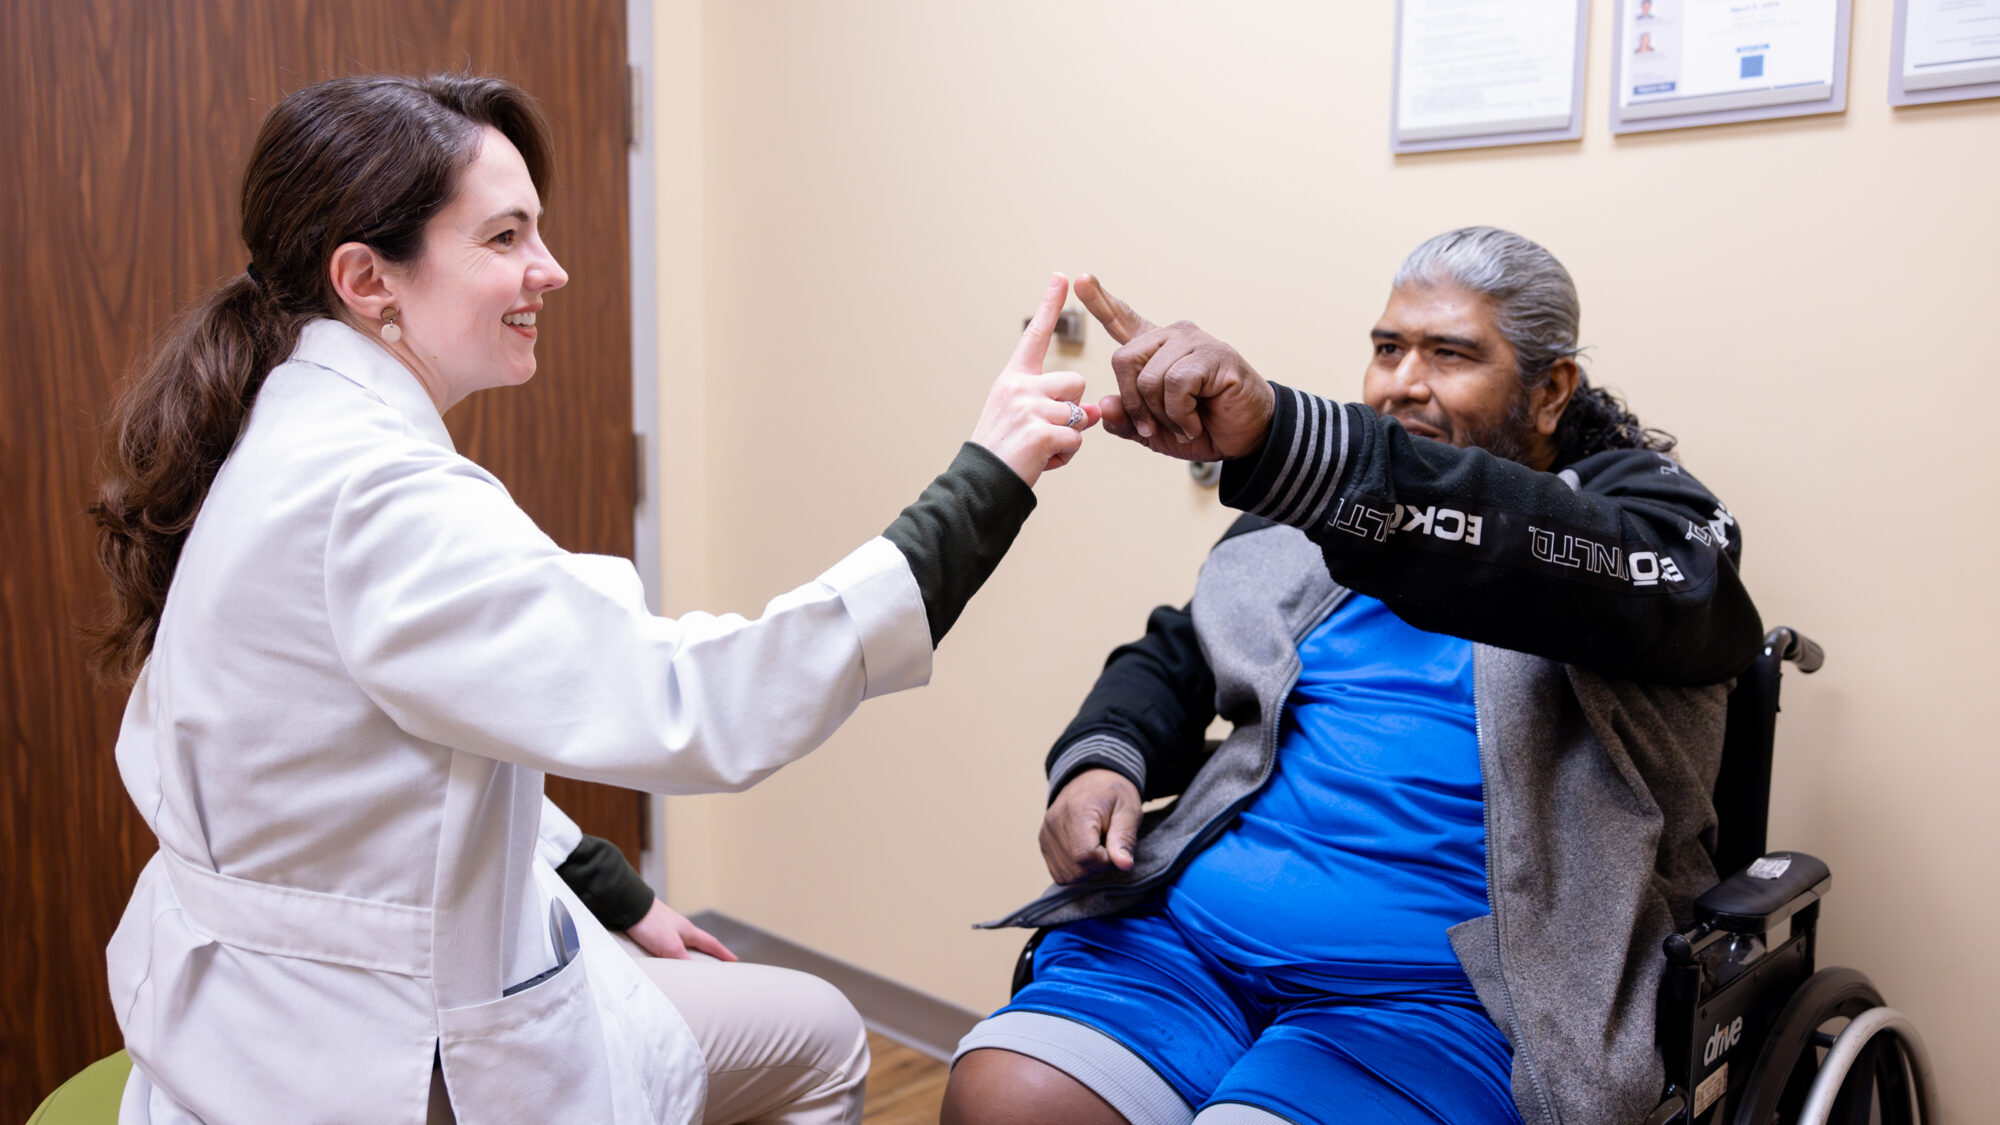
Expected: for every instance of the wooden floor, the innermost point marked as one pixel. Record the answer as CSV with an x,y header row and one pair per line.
x,y
904,1087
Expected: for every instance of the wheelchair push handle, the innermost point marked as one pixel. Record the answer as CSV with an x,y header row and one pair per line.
x,y
1790,644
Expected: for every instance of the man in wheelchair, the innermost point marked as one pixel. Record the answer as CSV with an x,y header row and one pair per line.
x,y
1472,638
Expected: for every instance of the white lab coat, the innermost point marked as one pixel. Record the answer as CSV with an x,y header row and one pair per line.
x,y
368,658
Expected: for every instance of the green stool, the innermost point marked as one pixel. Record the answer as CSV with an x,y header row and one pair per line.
x,y
90,1097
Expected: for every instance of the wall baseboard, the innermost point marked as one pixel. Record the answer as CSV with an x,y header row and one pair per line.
x,y
917,1020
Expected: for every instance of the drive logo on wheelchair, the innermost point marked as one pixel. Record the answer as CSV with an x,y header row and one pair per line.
x,y
1721,1040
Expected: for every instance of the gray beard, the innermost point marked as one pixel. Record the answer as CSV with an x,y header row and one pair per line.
x,y
1509,438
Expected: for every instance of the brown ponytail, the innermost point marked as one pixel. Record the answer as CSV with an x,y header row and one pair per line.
x,y
368,160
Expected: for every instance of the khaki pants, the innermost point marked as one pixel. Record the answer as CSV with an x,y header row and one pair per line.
x,y
782,1047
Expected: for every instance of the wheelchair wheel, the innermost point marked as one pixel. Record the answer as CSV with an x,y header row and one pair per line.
x,y
1782,1077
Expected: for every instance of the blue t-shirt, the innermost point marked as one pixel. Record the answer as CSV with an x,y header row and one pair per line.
x,y
1369,841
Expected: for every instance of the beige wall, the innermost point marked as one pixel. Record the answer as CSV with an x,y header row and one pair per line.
x,y
864,201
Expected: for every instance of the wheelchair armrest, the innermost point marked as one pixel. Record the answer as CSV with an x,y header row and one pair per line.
x,y
1764,893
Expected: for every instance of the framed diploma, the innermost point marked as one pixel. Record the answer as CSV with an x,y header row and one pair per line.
x,y
1476,73
1678,63
1945,51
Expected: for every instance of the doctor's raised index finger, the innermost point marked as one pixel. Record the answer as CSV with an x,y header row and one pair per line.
x,y
1034,345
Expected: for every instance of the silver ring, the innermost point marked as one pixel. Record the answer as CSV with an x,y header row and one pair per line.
x,y
1077,417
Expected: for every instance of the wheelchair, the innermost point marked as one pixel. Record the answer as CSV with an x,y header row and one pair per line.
x,y
1749,1032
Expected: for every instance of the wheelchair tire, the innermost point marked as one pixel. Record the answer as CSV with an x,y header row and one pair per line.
x,y
1783,1073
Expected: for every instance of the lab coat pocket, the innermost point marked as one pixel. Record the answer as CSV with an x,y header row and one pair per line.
x,y
541,1050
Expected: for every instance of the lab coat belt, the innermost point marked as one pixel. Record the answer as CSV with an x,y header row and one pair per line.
x,y
290,922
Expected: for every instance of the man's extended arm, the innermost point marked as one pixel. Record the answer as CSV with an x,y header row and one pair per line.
x,y
1623,563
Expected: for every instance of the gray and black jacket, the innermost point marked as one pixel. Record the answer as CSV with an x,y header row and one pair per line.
x,y
1608,615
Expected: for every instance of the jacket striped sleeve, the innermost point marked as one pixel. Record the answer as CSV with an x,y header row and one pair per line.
x,y
1309,442
1622,562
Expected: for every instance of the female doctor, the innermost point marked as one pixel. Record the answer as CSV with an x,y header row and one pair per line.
x,y
354,659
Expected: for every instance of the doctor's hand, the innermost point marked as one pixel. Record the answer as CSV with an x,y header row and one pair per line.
x,y
1027,418
663,932
1181,391
1092,826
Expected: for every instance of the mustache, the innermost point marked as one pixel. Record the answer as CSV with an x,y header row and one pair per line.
x,y
1438,424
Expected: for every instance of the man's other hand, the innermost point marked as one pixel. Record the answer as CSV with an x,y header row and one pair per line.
x,y
1181,391
1092,826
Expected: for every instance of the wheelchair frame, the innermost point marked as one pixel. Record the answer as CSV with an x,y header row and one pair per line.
x,y
1741,1009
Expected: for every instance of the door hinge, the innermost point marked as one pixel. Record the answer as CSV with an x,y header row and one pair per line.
x,y
638,469
635,105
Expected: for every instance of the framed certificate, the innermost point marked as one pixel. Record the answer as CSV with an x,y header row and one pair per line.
x,y
1679,63
1477,73
1945,51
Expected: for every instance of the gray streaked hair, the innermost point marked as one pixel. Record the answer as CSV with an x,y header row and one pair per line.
x,y
1536,310
1534,300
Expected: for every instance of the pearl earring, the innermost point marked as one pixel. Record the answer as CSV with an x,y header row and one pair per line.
x,y
390,332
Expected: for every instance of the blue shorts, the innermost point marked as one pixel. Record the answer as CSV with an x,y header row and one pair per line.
x,y
1220,1034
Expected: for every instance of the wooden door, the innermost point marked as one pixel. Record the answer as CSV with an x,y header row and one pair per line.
x,y
126,132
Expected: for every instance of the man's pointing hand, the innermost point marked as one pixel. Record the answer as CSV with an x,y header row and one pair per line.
x,y
1181,391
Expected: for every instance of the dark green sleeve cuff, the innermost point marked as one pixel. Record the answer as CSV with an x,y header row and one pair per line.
x,y
607,884
959,529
